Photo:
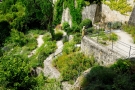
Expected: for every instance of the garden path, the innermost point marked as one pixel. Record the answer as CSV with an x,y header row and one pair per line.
x,y
40,42
123,44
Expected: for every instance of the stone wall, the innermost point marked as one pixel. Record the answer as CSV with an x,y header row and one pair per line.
x,y
103,55
112,15
66,17
89,12
132,18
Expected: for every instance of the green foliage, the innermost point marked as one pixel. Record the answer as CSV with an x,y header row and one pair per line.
x,y
114,25
77,38
17,38
58,9
87,23
119,76
120,5
14,72
122,66
58,35
71,65
4,31
38,13
66,27
44,51
69,47
75,12
75,28
113,37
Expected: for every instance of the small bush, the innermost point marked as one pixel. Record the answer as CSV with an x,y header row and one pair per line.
x,y
65,25
75,28
77,38
69,47
58,35
87,23
65,39
113,37
71,65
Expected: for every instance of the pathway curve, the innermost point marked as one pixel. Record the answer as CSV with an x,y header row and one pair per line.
x,y
40,42
122,46
49,69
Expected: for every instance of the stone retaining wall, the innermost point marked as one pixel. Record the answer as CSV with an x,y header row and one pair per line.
x,y
103,55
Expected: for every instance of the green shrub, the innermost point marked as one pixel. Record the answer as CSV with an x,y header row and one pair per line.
x,y
65,25
58,35
65,39
113,37
4,31
17,38
77,38
116,77
69,47
90,30
71,65
75,28
116,25
44,51
87,23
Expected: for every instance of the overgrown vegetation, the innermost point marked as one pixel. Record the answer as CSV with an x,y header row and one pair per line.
x,y
43,51
119,76
72,62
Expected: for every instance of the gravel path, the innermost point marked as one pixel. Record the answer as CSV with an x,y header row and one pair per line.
x,y
124,43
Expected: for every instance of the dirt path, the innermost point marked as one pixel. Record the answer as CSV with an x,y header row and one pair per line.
x,y
124,45
40,42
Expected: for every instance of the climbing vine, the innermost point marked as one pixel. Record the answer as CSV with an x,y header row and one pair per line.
x,y
75,10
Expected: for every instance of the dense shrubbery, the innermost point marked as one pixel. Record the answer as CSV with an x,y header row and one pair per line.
x,y
15,72
71,65
77,38
117,77
4,31
87,23
58,35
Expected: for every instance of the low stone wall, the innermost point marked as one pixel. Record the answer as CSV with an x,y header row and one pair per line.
x,y
103,55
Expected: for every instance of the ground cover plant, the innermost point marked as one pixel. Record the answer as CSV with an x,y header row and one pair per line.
x,y
72,63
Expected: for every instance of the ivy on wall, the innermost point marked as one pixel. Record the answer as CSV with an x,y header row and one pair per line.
x,y
74,7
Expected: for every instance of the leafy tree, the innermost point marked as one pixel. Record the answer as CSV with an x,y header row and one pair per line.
x,y
15,72
39,14
4,31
